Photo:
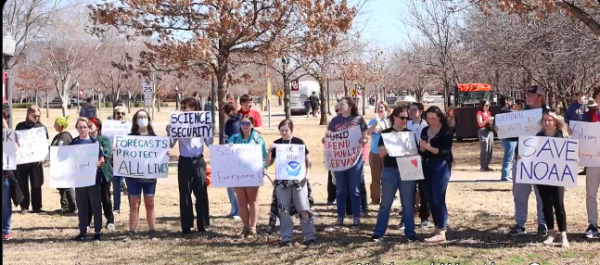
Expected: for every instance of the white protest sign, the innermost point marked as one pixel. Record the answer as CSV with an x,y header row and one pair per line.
x,y
9,152
112,128
343,149
238,165
410,168
400,143
73,166
548,161
290,162
588,134
143,157
519,123
192,124
33,145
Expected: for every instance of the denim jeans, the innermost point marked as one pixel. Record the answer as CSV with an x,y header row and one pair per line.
x,y
390,182
6,206
509,154
437,176
233,201
348,181
118,182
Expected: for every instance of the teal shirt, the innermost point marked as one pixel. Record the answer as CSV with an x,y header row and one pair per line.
x,y
254,138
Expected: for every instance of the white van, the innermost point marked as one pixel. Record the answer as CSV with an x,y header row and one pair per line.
x,y
297,98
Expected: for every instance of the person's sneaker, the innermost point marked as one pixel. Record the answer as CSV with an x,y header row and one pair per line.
x,y
186,232
24,211
152,235
79,238
201,229
425,224
591,232
310,242
518,230
130,236
356,223
339,223
116,212
401,226
376,238
412,238
329,203
37,211
97,237
5,237
542,230
286,243
110,227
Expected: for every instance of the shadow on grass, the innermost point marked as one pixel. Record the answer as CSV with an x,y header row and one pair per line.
x,y
493,190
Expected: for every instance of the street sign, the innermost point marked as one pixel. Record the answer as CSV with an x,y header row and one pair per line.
x,y
148,92
294,86
80,93
353,92
359,92
280,93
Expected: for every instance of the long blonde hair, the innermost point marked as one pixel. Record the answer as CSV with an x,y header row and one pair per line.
x,y
559,122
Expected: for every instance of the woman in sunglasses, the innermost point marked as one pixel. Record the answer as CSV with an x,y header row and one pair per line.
x,y
247,196
119,185
392,181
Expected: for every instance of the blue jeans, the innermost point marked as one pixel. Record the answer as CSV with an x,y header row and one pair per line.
x,y
233,200
509,155
390,182
437,176
6,206
118,182
348,181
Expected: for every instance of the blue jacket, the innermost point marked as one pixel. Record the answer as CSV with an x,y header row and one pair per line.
x,y
576,112
231,127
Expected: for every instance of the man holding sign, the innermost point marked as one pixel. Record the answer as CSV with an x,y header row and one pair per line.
x,y
592,181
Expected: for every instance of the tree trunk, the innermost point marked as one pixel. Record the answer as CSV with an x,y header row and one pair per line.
x,y
345,88
47,105
322,88
286,95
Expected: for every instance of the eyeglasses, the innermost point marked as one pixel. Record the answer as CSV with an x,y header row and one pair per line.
x,y
245,123
402,118
35,116
120,113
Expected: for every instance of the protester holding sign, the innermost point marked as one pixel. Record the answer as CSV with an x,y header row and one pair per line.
x,y
435,148
88,198
352,176
31,172
119,184
553,196
391,181
105,172
377,125
291,196
416,124
67,195
10,187
247,196
486,135
141,126
231,127
592,181
191,174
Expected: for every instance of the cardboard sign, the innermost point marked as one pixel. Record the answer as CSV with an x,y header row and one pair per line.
x,y
73,166
9,152
290,162
112,128
519,123
400,144
548,161
343,149
33,145
238,165
142,157
410,168
193,124
588,134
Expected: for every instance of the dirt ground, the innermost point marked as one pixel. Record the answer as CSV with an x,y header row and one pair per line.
x,y
481,215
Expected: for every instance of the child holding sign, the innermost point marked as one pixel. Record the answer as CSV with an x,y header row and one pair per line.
x,y
247,196
292,195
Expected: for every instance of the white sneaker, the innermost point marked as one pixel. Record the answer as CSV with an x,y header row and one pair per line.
x,y
110,227
237,218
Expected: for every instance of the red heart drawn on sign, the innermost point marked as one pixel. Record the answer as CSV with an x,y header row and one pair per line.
x,y
414,162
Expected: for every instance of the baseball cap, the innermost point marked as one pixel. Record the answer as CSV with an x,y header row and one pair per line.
x,y
533,90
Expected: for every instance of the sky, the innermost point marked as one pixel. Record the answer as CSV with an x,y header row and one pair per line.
x,y
382,24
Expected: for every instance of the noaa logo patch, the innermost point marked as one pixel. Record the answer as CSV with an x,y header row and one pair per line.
x,y
293,169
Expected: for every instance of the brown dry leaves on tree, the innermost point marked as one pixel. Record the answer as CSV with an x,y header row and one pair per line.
x,y
586,11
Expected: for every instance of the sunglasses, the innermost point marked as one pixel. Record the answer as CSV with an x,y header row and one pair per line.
x,y
245,123
35,116
402,118
120,113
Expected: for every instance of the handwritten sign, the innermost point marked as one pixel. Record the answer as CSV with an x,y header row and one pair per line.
x,y
548,161
410,168
343,149
112,128
589,142
400,144
143,157
238,165
33,145
191,124
9,152
519,123
290,162
73,166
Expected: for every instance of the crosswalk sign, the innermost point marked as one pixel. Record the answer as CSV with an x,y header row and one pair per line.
x,y
353,92
280,93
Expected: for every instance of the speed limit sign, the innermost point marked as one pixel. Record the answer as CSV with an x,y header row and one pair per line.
x,y
294,85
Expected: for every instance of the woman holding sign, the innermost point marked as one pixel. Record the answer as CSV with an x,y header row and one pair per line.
x,y
247,196
376,126
392,181
88,198
292,195
353,176
435,148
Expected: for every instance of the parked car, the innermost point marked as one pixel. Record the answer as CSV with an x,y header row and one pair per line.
x,y
427,100
56,103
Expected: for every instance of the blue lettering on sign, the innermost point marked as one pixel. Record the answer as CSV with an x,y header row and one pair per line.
x,y
541,170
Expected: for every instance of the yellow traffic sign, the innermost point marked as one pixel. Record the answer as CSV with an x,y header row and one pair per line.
x,y
280,93
353,92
